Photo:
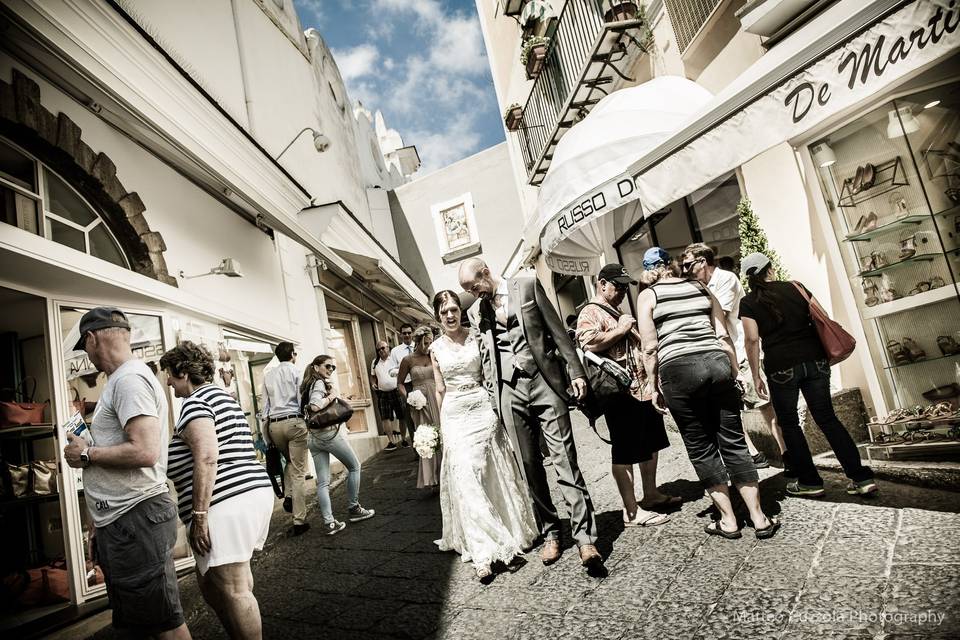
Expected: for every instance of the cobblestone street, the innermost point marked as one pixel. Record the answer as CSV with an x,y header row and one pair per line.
x,y
839,568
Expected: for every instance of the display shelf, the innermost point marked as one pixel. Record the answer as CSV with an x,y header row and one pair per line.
x,y
954,210
28,431
910,364
911,302
920,257
23,501
894,177
913,450
887,227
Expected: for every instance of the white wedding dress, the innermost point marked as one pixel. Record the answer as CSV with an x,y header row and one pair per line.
x,y
487,515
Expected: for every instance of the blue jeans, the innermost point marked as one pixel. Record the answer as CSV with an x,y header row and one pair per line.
x,y
702,395
813,380
323,442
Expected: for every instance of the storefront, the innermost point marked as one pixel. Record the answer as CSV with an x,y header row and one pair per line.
x,y
864,99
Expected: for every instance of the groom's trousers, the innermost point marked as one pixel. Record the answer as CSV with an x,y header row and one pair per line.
x,y
530,408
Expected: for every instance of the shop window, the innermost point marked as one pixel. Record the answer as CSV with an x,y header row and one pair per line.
x,y
343,342
891,182
37,200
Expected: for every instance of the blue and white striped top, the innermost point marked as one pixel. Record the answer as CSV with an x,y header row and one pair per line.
x,y
237,468
682,318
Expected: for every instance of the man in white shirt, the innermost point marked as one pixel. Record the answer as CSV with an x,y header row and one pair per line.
x,y
389,401
699,261
286,428
397,354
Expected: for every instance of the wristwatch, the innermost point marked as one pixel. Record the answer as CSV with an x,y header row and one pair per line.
x,y
85,457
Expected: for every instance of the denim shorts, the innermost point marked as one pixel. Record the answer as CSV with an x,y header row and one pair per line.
x,y
135,552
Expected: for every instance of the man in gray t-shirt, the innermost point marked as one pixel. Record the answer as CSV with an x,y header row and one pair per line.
x,y
124,466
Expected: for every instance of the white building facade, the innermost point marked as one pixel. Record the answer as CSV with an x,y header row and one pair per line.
x,y
805,95
143,145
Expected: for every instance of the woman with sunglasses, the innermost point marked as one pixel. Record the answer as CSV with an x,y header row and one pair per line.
x,y
419,367
317,393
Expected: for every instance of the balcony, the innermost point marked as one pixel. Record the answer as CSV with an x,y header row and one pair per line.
x,y
587,60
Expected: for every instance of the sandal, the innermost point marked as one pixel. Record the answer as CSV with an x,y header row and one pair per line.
x,y
908,247
714,529
484,574
914,351
898,354
768,531
948,346
870,292
649,519
888,438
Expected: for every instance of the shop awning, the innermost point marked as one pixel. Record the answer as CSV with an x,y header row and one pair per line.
x,y
844,56
376,276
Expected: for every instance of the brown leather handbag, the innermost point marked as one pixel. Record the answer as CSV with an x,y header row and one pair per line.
x,y
837,343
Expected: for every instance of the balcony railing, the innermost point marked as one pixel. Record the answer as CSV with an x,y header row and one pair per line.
x,y
585,54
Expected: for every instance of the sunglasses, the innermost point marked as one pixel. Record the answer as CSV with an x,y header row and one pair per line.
x,y
382,348
330,367
687,265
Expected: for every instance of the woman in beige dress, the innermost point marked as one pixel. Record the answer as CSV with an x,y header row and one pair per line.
x,y
420,367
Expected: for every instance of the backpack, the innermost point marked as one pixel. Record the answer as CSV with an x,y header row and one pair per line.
x,y
606,379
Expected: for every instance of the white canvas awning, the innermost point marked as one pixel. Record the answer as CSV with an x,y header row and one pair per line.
x,y
848,53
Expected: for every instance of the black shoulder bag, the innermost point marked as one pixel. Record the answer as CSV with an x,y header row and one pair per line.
x,y
337,412
606,379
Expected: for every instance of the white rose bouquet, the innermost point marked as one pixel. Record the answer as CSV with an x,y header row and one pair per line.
x,y
416,399
426,440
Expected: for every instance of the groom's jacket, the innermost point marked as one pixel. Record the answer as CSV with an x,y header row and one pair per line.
x,y
531,313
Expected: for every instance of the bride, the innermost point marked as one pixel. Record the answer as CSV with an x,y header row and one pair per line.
x,y
487,515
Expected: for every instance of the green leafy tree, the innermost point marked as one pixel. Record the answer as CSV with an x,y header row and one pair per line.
x,y
753,239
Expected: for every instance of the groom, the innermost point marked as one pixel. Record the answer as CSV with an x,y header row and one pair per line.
x,y
531,369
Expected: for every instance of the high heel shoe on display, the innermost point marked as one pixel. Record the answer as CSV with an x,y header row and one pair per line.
x,y
857,182
859,226
898,354
936,282
914,350
887,292
879,260
870,292
908,247
947,345
869,176
870,223
868,264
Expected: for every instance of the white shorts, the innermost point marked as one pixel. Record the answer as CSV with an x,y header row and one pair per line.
x,y
238,525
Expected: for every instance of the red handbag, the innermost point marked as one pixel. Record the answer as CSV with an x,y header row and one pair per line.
x,y
16,414
837,343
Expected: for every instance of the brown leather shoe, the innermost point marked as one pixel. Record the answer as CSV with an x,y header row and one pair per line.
x,y
589,556
550,552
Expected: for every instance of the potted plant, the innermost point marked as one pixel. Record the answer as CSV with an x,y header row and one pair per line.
x,y
620,10
533,55
512,116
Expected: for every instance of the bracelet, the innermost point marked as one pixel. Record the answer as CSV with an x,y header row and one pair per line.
x,y
198,513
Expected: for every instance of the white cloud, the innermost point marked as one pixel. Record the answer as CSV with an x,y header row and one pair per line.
x,y
356,62
456,140
388,64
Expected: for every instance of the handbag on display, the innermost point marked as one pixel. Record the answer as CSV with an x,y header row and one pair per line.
x,y
25,411
837,343
44,477
19,479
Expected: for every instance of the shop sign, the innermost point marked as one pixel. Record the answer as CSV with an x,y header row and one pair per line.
x,y
909,39
902,43
572,266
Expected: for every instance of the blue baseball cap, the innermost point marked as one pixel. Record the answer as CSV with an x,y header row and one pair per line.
x,y
654,256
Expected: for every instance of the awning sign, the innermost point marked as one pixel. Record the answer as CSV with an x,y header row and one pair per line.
x,y
903,42
572,266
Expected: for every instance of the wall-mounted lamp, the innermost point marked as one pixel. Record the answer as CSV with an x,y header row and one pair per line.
x,y
320,142
228,267
822,154
910,124
314,266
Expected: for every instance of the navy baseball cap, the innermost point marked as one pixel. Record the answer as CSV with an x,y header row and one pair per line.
x,y
100,318
615,272
654,256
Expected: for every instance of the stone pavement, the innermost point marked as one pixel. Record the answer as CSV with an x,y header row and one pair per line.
x,y
840,567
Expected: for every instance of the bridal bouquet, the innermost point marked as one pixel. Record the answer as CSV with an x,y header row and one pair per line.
x,y
416,399
426,440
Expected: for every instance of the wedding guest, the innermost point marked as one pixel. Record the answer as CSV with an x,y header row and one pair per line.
x,y
777,313
419,367
224,494
637,432
317,393
692,365
397,354
699,262
389,401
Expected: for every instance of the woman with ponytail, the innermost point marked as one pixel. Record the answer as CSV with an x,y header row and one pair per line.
x,y
796,363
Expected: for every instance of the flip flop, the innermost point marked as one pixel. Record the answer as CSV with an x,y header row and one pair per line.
x,y
652,520
670,501
713,529
768,531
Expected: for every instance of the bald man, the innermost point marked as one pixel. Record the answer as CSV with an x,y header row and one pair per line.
x,y
389,402
533,374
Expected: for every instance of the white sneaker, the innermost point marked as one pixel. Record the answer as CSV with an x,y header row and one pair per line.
x,y
358,513
333,528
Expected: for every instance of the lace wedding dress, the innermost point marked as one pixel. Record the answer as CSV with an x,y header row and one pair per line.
x,y
487,515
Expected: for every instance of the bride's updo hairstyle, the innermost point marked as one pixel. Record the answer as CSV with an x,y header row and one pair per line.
x,y
443,298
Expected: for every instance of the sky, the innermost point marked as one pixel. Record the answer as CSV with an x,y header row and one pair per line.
x,y
420,62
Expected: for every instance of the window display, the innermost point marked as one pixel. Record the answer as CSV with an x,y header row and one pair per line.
x,y
891,181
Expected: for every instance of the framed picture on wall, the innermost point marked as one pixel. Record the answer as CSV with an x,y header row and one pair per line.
x,y
456,228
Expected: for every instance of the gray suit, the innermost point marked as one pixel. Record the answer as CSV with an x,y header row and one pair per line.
x,y
528,362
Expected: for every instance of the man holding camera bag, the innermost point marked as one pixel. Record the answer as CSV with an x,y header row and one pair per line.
x,y
636,429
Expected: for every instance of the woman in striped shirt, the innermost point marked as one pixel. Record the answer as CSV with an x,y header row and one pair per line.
x,y
691,362
224,494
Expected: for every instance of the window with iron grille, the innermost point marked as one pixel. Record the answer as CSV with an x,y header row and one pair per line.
x,y
688,17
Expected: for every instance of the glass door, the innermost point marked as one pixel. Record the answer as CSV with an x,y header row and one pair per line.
x,y
343,343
